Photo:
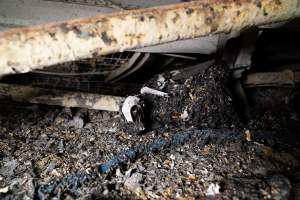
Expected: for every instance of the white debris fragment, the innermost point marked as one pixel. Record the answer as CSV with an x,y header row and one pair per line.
x,y
61,146
204,171
128,172
174,72
127,105
152,195
147,90
213,189
77,122
161,82
133,182
4,190
118,173
106,192
112,129
185,114
172,157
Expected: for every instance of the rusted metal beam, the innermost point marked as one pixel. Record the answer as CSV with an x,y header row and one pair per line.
x,y
25,49
60,97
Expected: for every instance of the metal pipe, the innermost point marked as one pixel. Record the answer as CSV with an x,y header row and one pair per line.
x,y
25,49
60,97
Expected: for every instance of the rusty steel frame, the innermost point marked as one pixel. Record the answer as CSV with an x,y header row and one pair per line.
x,y
25,49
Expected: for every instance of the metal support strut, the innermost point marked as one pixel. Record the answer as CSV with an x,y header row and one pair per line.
x,y
25,49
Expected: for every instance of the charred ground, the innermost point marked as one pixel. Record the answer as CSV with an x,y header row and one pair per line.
x,y
195,146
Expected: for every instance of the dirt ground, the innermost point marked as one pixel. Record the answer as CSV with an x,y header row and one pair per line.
x,y
195,147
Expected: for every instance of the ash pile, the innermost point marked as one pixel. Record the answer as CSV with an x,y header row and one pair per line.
x,y
186,141
176,100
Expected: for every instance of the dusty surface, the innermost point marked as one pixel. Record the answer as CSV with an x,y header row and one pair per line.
x,y
52,152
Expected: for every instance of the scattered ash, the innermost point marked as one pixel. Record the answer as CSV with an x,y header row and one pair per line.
x,y
201,101
195,147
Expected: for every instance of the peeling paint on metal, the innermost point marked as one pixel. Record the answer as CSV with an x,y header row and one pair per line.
x,y
25,49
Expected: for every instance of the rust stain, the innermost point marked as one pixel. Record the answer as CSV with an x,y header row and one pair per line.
x,y
22,50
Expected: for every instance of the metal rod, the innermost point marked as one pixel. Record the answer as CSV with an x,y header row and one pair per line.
x,y
25,49
60,97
